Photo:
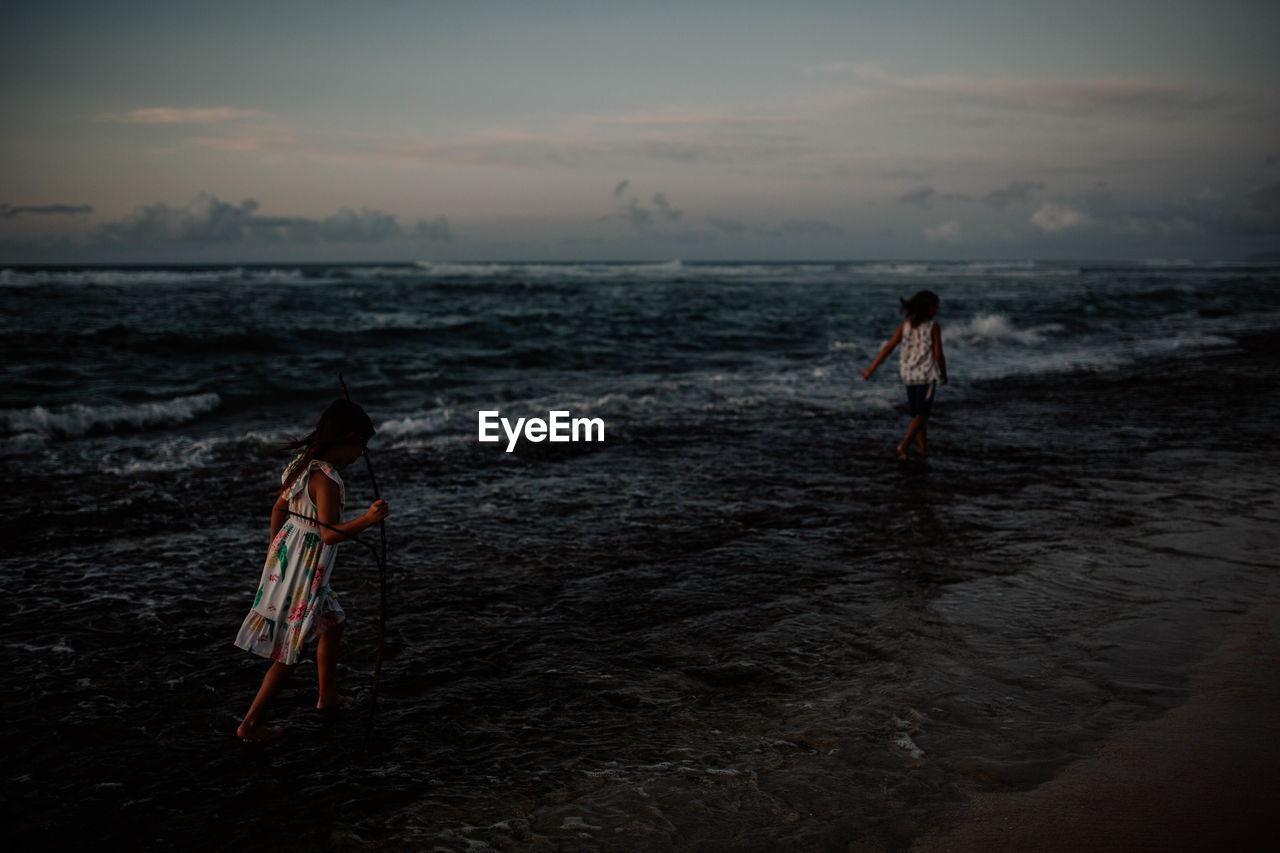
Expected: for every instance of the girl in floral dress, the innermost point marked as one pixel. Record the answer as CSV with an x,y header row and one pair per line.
x,y
294,602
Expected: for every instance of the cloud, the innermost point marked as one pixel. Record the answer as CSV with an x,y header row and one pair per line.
x,y
204,220
209,221
921,197
1018,192
706,139
1053,218
1249,216
9,211
639,217
1116,96
588,144
668,212
266,141
663,213
348,226
946,232
188,115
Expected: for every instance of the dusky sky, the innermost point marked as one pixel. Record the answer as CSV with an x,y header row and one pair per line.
x,y
808,129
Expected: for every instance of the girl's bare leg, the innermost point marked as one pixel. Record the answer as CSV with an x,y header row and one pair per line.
x,y
917,423
327,668
254,727
922,438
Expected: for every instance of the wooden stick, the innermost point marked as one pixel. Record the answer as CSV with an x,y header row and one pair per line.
x,y
376,557
382,586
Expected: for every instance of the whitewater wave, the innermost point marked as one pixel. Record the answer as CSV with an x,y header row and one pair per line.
x,y
411,425
891,269
151,278
305,275
996,329
539,272
313,275
77,420
114,277
177,454
183,453
444,269
974,269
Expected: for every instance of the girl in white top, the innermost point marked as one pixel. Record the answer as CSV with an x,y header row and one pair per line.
x,y
922,363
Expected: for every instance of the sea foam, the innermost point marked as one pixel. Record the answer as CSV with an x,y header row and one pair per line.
x,y
77,419
996,328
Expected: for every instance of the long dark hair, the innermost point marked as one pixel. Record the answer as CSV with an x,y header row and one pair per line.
x,y
915,308
342,423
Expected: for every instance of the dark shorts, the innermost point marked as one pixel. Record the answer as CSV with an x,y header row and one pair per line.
x,y
920,399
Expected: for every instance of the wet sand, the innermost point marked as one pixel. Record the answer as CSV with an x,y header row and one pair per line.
x,y
1204,776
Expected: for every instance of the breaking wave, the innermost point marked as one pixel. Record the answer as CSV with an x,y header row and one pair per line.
x,y
77,420
996,329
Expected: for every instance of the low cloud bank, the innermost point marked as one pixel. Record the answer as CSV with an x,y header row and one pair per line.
x,y
12,211
208,220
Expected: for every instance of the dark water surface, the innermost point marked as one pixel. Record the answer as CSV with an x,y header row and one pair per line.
x,y
737,624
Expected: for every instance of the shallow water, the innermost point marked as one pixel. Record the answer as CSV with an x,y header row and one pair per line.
x,y
736,624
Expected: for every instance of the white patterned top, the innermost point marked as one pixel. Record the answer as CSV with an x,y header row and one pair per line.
x,y
917,365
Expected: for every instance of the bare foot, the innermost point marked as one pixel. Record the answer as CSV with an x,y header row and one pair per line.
x,y
902,453
331,704
258,733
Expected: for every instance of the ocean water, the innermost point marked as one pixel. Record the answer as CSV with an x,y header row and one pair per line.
x,y
737,623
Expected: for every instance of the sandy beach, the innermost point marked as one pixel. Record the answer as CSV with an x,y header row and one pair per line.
x,y
1203,776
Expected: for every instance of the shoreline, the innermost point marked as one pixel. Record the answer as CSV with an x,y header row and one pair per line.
x,y
1204,775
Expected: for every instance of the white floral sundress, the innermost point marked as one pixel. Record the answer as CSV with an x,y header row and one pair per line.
x,y
295,603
